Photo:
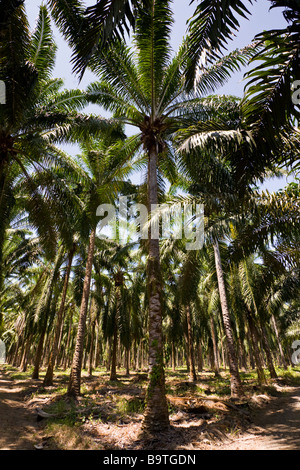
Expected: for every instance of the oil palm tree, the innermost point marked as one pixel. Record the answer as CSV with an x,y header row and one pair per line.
x,y
268,216
144,87
213,180
37,115
20,252
45,308
115,258
270,235
105,169
209,31
48,379
188,281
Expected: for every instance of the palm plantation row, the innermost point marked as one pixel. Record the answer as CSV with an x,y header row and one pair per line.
x,y
70,298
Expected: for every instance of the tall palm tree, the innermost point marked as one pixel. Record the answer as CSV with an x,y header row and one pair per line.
x,y
271,235
105,169
116,258
144,87
20,252
235,381
210,29
37,115
45,308
188,282
213,180
264,217
48,379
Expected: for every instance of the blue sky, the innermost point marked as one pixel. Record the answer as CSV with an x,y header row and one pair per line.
x,y
261,19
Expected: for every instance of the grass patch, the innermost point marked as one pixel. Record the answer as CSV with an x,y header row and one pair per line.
x,y
16,374
66,436
64,410
219,385
291,376
130,405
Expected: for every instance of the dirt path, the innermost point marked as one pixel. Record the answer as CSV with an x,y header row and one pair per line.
x,y
275,427
18,425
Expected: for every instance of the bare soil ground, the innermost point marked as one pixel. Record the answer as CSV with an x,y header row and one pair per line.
x,y
275,426
17,423
109,416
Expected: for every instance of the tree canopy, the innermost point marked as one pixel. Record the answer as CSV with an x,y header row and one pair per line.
x,y
74,300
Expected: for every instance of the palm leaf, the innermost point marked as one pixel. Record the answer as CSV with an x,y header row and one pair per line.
x,y
90,30
8,8
152,39
18,73
42,46
209,31
106,95
209,78
117,67
268,104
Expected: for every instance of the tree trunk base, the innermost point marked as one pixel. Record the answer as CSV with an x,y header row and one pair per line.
x,y
156,415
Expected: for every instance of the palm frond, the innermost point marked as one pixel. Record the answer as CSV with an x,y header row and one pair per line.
x,y
114,100
152,38
90,30
268,104
210,77
209,30
42,46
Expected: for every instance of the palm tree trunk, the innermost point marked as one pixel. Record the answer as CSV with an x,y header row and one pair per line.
x,y
91,354
59,355
215,348
118,290
173,356
48,379
38,354
75,376
192,369
127,361
254,339
26,349
243,355
16,353
284,364
200,357
67,346
186,352
156,416
113,366
267,349
235,381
